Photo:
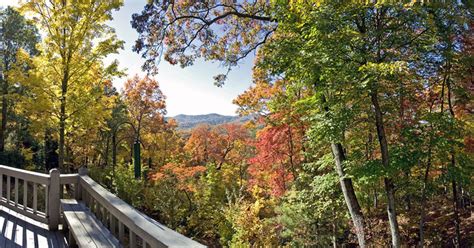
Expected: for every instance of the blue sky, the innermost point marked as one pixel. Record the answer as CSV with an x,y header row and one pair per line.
x,y
188,91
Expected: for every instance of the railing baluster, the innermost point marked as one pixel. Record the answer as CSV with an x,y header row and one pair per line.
x,y
35,197
103,215
85,197
133,239
46,198
61,191
91,204
16,191
113,224
8,189
25,194
1,186
121,232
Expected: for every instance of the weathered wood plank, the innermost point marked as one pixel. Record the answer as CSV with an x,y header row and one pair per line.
x,y
8,188
75,227
53,200
87,230
25,194
68,178
121,232
35,197
16,191
1,186
132,239
23,174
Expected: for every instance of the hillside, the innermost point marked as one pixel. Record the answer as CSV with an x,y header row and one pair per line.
x,y
190,121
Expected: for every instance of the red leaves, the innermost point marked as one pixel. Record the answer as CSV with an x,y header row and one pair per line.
x,y
219,144
278,155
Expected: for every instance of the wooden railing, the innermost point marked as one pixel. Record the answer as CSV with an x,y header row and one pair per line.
x,y
131,227
14,194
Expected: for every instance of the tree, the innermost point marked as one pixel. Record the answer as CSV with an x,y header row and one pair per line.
x,y
188,31
219,145
16,33
382,87
198,40
145,102
77,38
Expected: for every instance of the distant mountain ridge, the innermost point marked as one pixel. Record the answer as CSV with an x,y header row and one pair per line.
x,y
191,121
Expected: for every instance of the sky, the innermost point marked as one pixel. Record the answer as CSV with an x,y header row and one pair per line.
x,y
188,91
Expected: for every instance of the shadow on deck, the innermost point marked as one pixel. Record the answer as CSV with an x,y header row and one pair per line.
x,y
19,231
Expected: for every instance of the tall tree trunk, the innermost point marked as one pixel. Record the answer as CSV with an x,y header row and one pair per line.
x,y
114,151
389,187
334,232
62,128
3,129
407,194
349,194
62,119
347,188
376,199
106,153
456,202
423,199
457,224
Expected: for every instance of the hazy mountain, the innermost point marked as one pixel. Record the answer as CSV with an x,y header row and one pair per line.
x,y
190,121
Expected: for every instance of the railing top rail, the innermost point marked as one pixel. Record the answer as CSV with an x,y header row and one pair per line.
x,y
68,178
151,231
30,176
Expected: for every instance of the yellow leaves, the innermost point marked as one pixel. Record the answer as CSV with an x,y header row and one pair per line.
x,y
384,69
69,73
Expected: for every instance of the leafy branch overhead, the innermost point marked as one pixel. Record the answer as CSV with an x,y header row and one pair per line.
x,y
183,31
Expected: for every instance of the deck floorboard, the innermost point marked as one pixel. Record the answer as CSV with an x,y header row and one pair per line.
x,y
17,230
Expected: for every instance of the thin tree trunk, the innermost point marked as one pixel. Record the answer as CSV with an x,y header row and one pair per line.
x,y
3,129
114,151
348,189
457,224
376,198
349,194
62,120
389,187
334,232
107,148
456,202
407,194
423,199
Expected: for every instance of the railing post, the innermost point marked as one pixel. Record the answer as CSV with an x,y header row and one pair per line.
x,y
53,200
78,190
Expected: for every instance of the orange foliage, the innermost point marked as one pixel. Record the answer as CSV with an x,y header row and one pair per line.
x,y
145,101
180,172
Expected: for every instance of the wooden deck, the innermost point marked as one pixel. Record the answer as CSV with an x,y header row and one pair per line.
x,y
30,213
19,231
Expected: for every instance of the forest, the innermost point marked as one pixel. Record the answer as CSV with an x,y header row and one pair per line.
x,y
360,126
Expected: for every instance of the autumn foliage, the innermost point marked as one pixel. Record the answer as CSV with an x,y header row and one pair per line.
x,y
360,116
